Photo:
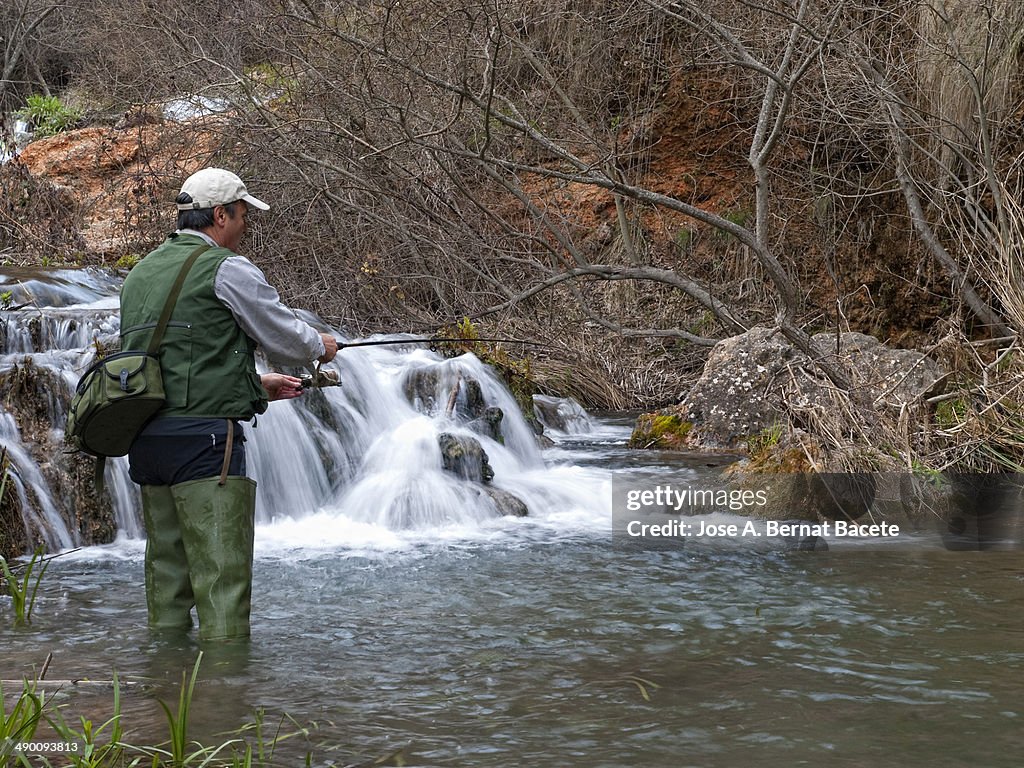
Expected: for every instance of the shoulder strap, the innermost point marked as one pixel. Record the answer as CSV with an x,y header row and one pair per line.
x,y
172,299
97,473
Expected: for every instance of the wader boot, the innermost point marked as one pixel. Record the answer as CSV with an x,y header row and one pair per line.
x,y
168,587
217,530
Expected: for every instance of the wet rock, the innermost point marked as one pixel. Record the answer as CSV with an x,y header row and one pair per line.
x,y
36,398
561,414
14,540
429,393
801,535
508,504
420,389
806,544
472,405
465,457
489,423
72,479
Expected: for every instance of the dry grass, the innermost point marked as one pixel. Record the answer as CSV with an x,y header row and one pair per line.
x,y
975,425
966,63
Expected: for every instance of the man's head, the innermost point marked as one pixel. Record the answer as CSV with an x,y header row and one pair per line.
x,y
215,201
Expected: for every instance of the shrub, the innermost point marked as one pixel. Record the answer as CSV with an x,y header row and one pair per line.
x,y
48,115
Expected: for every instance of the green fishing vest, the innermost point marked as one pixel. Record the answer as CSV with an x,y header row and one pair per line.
x,y
206,359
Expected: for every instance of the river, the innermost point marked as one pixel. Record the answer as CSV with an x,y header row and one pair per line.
x,y
541,643
396,618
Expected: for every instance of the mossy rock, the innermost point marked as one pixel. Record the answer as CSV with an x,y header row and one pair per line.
x,y
465,457
666,430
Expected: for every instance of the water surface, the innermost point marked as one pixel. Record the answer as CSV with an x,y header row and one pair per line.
x,y
537,642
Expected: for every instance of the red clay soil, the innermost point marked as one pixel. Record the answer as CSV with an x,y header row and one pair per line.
x,y
122,179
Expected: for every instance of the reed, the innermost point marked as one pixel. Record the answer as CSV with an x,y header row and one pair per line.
x,y
19,724
966,64
23,590
103,746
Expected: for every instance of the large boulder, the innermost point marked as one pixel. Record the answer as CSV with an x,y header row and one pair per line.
x,y
752,381
893,377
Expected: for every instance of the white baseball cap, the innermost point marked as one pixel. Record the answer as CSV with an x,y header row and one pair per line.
x,y
215,186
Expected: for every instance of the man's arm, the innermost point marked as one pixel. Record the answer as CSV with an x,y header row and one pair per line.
x,y
257,308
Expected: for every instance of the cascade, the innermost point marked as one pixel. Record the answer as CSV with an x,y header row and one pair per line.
x,y
367,453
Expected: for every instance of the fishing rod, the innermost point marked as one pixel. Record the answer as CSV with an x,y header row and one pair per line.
x,y
321,378
43,559
431,340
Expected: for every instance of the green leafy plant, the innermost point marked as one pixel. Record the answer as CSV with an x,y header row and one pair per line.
x,y
49,115
766,439
127,261
177,721
20,723
23,590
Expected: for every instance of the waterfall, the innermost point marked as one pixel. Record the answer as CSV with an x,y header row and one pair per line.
x,y
36,499
18,131
359,457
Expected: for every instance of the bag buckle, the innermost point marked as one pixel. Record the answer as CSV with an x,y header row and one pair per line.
x,y
124,379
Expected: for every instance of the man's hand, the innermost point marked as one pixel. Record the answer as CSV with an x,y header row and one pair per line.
x,y
281,387
330,348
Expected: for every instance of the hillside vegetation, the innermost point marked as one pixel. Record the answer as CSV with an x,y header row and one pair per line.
x,y
628,180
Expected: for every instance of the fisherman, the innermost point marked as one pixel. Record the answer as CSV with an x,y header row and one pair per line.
x,y
197,503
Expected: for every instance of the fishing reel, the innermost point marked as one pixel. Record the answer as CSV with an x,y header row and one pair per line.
x,y
320,378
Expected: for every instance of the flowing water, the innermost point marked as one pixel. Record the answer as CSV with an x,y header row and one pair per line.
x,y
396,613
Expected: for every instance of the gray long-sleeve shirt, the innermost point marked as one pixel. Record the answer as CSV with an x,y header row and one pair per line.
x,y
258,310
